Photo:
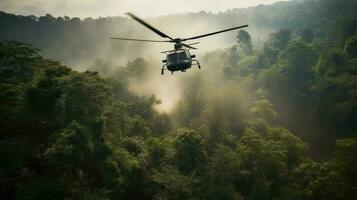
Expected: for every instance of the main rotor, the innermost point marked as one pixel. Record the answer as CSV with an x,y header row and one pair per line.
x,y
178,42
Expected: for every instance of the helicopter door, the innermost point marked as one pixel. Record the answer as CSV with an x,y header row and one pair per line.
x,y
171,60
184,59
183,56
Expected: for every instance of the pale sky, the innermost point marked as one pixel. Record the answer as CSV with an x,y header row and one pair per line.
x,y
104,8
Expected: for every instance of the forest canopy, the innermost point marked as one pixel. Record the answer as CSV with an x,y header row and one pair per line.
x,y
274,120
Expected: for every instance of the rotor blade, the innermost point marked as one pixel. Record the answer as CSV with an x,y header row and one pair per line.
x,y
217,32
188,46
193,43
138,40
148,26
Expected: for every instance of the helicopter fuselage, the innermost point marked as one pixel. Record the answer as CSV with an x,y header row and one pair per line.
x,y
179,60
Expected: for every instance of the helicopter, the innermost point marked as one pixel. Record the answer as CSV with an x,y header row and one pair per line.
x,y
180,58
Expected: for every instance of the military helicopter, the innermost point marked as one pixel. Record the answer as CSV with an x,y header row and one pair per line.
x,y
178,59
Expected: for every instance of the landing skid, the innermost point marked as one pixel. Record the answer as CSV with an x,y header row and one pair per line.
x,y
194,62
163,68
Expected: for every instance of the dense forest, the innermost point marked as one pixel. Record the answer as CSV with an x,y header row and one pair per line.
x,y
272,119
77,41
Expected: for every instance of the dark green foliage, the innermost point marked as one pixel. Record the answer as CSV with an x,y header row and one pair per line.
x,y
40,188
267,156
297,62
222,174
306,35
248,127
351,47
245,41
172,184
55,134
190,155
333,179
280,39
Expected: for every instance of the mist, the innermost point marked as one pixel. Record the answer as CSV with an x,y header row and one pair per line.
x,y
168,88
270,114
94,35
97,8
78,43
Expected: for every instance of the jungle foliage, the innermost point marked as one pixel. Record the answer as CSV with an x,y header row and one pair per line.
x,y
276,122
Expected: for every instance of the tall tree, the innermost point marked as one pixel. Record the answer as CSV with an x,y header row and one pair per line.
x,y
245,41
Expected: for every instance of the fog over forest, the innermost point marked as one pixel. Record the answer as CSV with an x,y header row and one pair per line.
x,y
270,115
79,43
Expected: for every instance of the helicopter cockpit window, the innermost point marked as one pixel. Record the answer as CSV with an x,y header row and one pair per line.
x,y
182,55
171,58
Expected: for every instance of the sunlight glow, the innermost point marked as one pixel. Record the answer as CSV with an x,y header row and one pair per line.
x,y
104,8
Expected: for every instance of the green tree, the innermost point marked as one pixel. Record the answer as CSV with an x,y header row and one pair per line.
x,y
350,47
245,41
334,179
222,173
190,155
280,39
172,184
306,35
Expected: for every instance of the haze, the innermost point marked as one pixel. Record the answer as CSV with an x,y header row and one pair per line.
x,y
120,52
97,8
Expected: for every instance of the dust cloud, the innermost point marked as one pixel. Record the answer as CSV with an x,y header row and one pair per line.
x,y
93,42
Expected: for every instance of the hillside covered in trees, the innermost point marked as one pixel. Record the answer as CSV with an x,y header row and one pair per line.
x,y
76,41
274,119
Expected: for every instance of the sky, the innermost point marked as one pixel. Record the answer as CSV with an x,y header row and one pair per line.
x,y
104,8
